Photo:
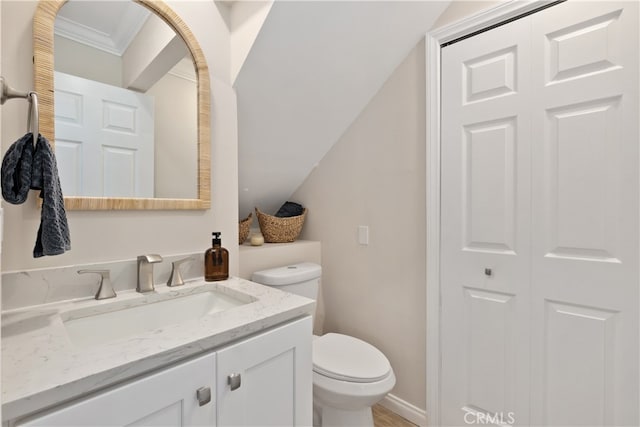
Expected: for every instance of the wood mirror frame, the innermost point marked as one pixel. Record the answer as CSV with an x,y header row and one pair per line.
x,y
43,61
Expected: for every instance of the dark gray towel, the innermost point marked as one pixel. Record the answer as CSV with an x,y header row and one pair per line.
x,y
24,168
16,170
290,209
53,234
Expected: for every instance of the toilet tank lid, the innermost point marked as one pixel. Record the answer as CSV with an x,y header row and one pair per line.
x,y
288,275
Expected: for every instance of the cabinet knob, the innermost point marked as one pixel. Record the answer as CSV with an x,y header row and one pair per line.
x,y
234,381
204,395
488,272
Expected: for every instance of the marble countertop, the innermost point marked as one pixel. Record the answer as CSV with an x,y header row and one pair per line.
x,y
42,366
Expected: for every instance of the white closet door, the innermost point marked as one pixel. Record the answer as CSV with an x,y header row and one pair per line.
x,y
486,137
541,184
585,224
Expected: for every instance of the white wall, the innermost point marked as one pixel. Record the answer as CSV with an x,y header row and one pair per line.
x,y
176,137
87,62
272,255
375,176
458,10
105,235
245,20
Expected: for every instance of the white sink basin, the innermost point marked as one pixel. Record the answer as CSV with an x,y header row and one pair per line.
x,y
115,321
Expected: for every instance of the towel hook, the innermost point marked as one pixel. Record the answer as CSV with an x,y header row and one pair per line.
x,y
7,92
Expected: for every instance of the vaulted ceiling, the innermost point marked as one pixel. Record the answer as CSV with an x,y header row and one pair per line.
x,y
312,69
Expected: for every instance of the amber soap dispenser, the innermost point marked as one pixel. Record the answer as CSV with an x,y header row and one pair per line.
x,y
216,260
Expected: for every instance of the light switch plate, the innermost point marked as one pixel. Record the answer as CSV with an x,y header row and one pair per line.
x,y
363,234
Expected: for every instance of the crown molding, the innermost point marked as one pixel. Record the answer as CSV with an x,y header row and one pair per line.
x,y
116,42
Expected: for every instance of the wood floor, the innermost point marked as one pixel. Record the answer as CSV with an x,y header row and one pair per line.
x,y
382,417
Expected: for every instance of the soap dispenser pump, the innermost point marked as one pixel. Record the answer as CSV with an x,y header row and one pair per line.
x,y
216,260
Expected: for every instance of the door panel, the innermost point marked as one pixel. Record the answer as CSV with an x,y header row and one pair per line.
x,y
485,222
69,154
585,195
119,171
540,184
490,76
488,186
489,329
579,48
582,171
579,345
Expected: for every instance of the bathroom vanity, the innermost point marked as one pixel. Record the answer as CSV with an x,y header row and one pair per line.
x,y
222,353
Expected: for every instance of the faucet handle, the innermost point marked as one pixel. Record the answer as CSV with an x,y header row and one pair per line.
x,y
106,288
175,279
150,258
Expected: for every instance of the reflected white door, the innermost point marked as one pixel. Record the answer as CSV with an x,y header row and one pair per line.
x,y
104,139
539,232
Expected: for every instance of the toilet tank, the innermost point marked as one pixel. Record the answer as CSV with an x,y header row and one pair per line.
x,y
300,279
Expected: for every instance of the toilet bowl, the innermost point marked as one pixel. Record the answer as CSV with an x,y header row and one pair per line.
x,y
349,375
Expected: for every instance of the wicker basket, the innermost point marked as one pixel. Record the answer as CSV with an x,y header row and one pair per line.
x,y
280,230
245,224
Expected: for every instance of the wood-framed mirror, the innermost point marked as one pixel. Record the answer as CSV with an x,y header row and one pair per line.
x,y
116,196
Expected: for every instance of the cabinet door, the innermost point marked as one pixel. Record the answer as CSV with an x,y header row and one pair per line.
x,y
167,398
267,380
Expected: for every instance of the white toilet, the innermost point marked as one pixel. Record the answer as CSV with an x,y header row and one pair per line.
x,y
349,375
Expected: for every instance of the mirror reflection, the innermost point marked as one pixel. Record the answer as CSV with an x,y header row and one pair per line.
x,y
126,103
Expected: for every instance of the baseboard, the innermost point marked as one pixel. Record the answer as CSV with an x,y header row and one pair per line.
x,y
405,409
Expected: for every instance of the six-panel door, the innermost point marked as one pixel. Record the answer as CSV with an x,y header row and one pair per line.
x,y
540,187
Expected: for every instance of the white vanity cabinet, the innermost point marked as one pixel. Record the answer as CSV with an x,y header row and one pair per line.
x,y
267,379
166,398
274,387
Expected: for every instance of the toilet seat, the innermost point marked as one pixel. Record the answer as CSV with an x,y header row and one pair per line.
x,y
347,358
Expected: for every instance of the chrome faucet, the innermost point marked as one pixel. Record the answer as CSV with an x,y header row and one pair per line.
x,y
145,272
